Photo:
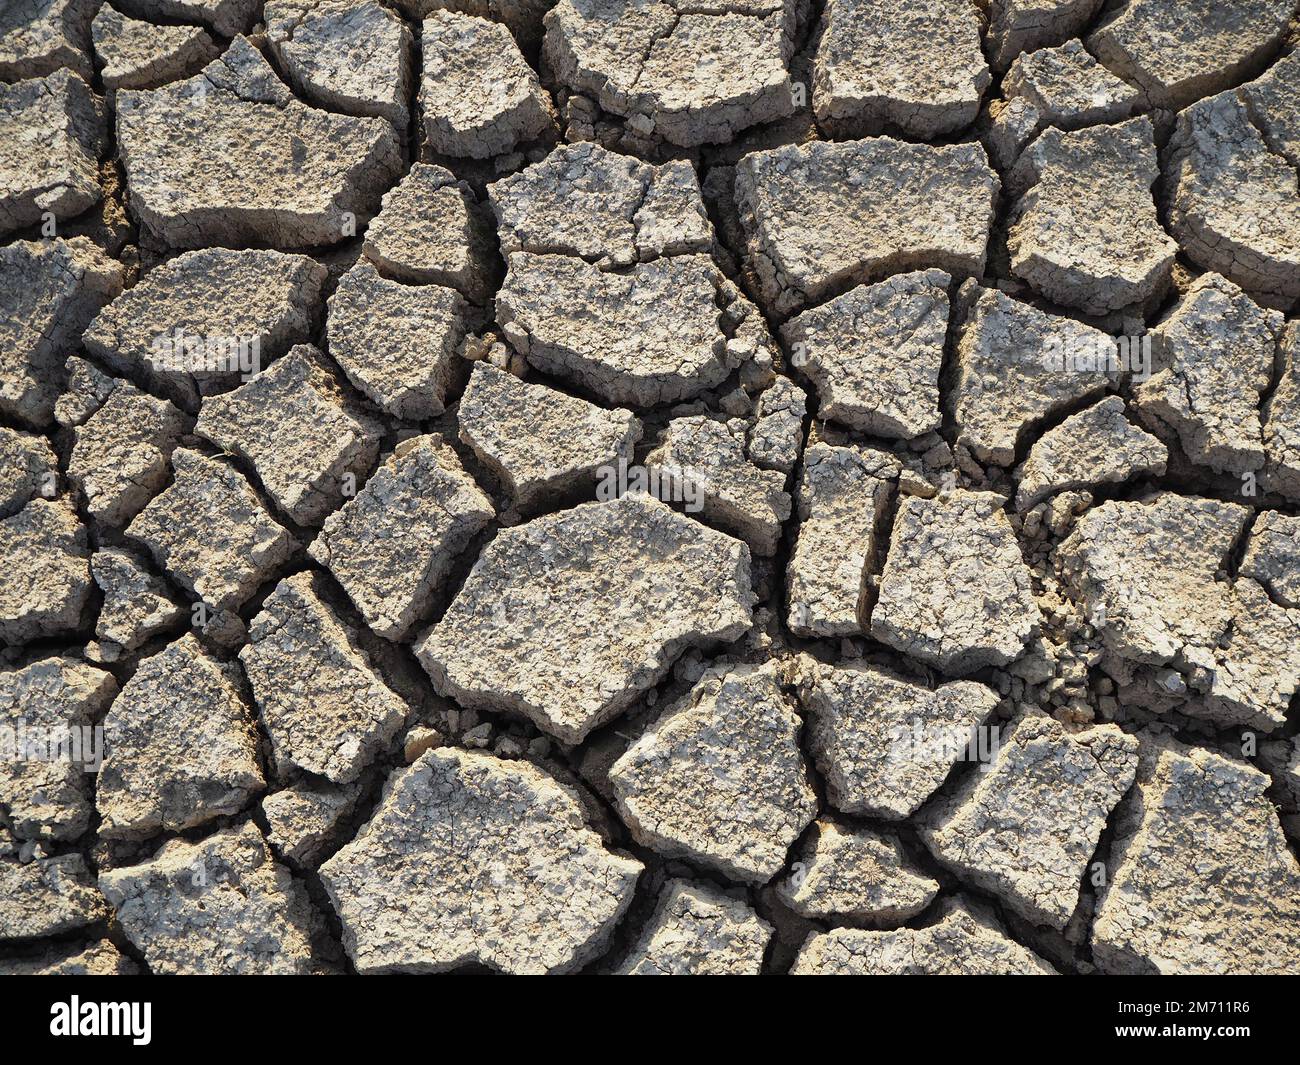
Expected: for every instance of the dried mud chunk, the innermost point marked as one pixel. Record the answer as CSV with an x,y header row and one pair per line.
x,y
1145,573
211,533
473,859
1273,556
398,343
1232,203
1017,26
696,930
841,498
672,219
221,906
964,942
542,443
120,457
98,959
1094,447
429,231
478,96
28,467
885,744
39,36
857,875
776,437
1007,127
226,17
874,354
47,575
650,335
1027,829
49,292
325,708
614,209
919,69
736,77
709,458
580,200
201,322
1069,88
1201,878
393,544
1180,50
1084,230
302,819
142,55
814,220
47,896
698,77
1244,673
51,134
88,388
620,588
1213,361
955,592
1273,102
1256,664
524,17
137,605
719,779
183,746
47,702
1281,415
1017,365
290,175
300,429
599,47
345,55
1063,87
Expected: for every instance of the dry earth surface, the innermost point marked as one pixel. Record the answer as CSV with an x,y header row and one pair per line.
x,y
649,486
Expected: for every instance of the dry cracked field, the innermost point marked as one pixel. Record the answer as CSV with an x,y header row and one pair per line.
x,y
649,486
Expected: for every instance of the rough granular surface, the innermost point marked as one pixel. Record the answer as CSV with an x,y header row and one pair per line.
x,y
719,777
649,487
962,942
630,583
698,931
538,890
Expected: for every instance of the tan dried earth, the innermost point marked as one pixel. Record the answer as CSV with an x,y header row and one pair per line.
x,y
647,487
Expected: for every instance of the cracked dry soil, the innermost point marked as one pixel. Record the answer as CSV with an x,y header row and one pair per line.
x,y
673,486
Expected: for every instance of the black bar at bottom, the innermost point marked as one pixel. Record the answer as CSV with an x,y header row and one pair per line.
x,y
302,1014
